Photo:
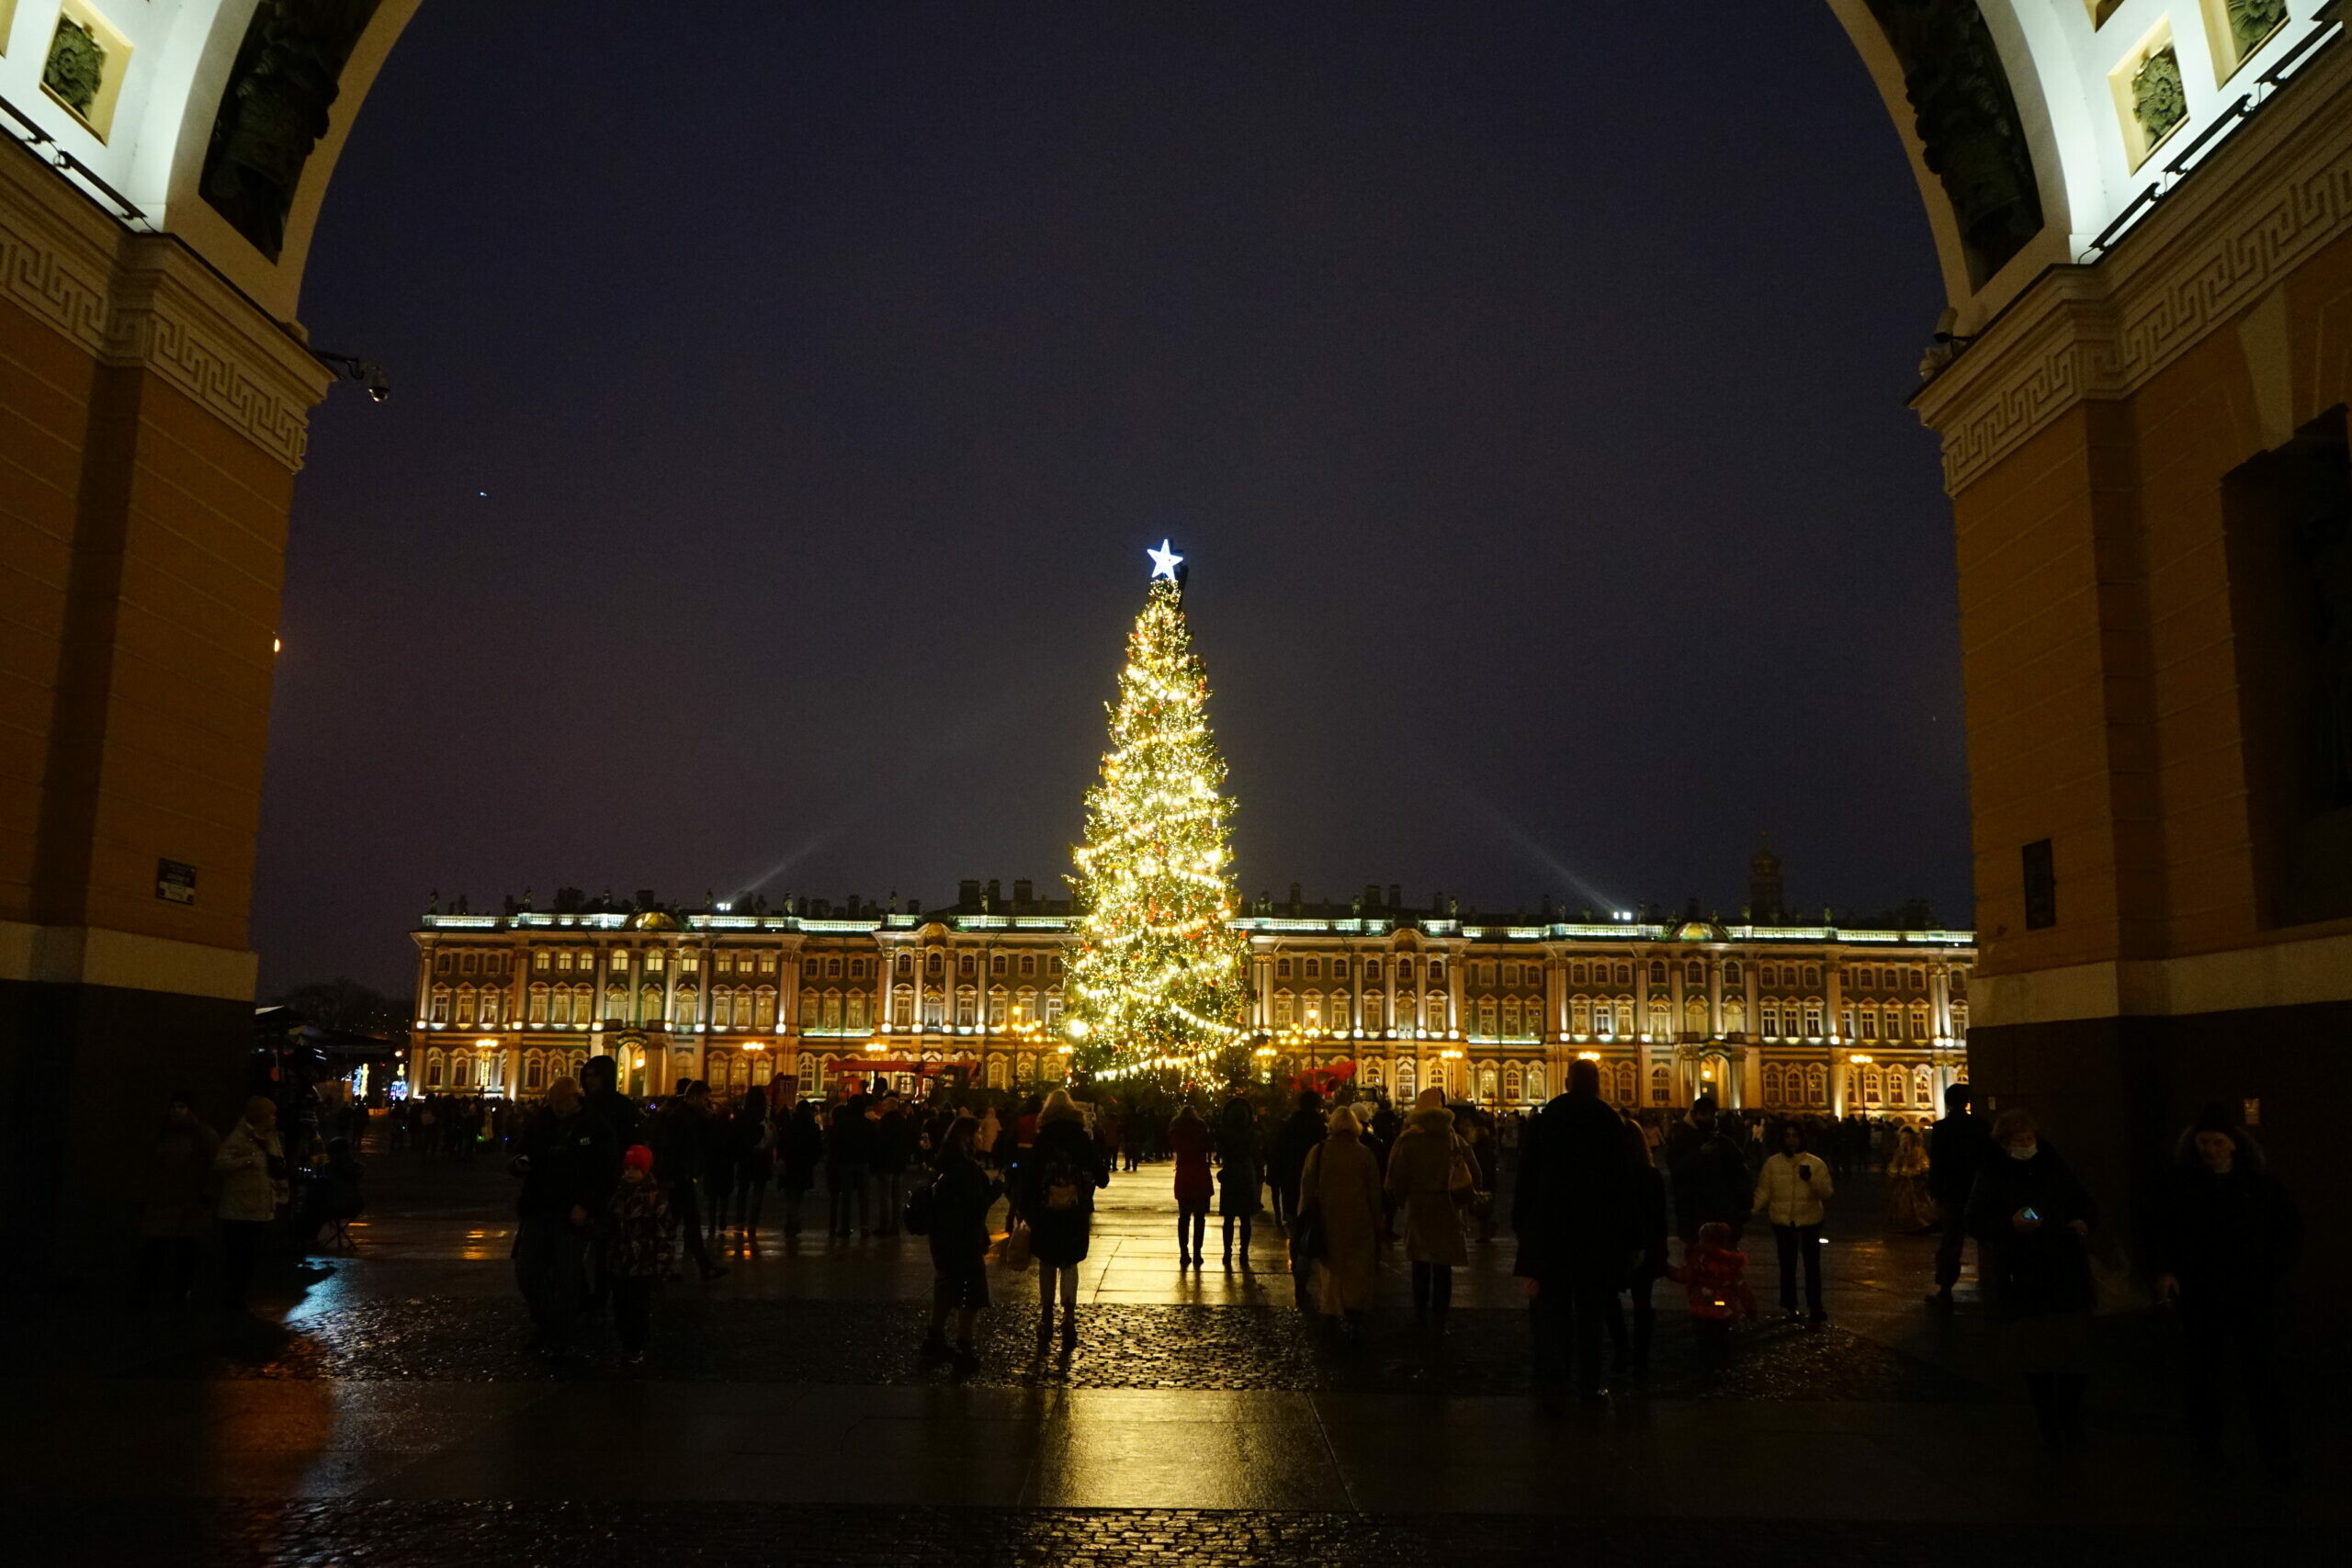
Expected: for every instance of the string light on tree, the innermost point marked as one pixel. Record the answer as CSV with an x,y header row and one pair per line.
x,y
1158,980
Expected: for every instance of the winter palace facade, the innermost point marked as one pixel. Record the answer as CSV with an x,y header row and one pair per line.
x,y
1775,1016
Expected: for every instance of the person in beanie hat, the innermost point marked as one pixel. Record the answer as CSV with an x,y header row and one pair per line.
x,y
2225,1234
642,1243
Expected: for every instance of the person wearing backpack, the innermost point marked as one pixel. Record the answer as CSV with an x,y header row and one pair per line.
x,y
1059,1178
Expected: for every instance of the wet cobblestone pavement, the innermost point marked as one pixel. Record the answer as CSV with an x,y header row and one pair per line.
x,y
500,1535
476,1338
386,1410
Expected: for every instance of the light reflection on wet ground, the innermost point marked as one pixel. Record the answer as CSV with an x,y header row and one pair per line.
x,y
791,1383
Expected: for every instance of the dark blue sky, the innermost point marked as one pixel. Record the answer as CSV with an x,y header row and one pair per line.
x,y
1523,382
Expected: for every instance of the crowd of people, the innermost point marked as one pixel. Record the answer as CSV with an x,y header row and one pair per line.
x,y
615,1199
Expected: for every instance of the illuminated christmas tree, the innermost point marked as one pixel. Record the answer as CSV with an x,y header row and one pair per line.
x,y
1156,984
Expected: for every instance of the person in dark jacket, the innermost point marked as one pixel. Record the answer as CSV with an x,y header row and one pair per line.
x,y
1576,1213
894,1148
2225,1233
681,1143
849,1159
961,1195
720,1131
1059,1179
174,1204
1297,1138
1649,1202
749,1137
620,1126
1957,1148
615,1113
803,1151
2032,1219
1707,1173
561,1160
1241,1172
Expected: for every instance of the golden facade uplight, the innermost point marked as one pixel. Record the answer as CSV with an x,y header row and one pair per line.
x,y
1752,1018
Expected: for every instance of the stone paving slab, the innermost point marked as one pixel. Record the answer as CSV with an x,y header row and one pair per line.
x,y
612,1534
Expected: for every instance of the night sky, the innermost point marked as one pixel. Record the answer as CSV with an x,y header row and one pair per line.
x,y
785,396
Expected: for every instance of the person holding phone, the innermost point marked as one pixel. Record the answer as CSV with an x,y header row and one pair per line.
x,y
1790,1192
2032,1219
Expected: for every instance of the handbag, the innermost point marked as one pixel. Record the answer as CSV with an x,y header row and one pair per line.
x,y
917,1218
1461,1176
1306,1238
1016,1249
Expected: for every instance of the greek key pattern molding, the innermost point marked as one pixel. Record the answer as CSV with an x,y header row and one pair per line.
x,y
142,301
2105,331
38,270
167,335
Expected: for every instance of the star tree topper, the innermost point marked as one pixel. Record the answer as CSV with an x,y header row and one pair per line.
x,y
1164,561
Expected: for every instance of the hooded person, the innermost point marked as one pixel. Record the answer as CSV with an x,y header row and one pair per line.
x,y
1421,1168
1058,1180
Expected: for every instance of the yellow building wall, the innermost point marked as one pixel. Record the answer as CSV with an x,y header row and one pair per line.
x,y
2098,647
45,387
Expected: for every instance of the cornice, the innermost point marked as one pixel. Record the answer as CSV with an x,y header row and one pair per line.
x,y
174,316
56,250
144,300
2233,229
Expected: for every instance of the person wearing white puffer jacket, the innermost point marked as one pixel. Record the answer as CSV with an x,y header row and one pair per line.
x,y
1790,1192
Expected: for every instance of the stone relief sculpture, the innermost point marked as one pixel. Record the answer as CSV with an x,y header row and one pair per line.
x,y
2159,102
2251,21
1967,124
76,66
275,108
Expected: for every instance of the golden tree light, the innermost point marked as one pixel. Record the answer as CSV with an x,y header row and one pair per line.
x,y
1157,982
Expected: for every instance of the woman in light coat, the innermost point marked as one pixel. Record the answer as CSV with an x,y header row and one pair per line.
x,y
251,1163
1421,1173
1339,1194
1788,1193
1909,1208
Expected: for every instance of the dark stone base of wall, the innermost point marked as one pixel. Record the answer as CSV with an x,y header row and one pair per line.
x,y
2115,1094
83,1073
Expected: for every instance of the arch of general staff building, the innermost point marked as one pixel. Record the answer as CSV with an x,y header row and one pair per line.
x,y
2142,212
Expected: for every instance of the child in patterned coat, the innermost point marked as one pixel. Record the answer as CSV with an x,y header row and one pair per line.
x,y
644,1236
